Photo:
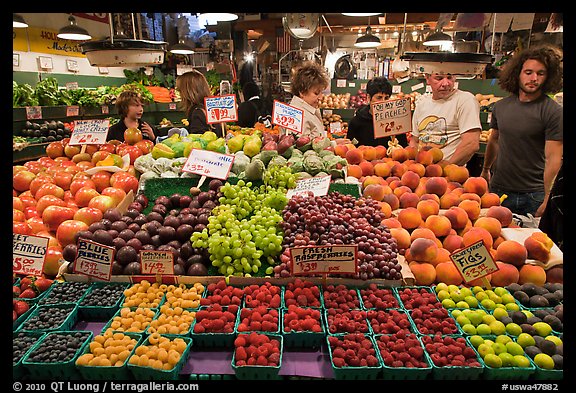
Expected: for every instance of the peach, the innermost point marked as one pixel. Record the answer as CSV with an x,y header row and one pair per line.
x,y
555,274
374,180
417,167
355,171
395,183
410,152
424,273
340,150
456,173
410,218
398,169
369,153
475,234
424,157
476,184
437,154
507,274
423,250
390,179
443,256
400,190
354,156
402,237
471,207
392,200
502,213
391,222
408,199
382,169
433,170
489,199
491,224
386,209
538,245
427,207
421,188
440,225
399,154
512,252
422,232
381,152
447,273
458,217
471,196
374,191
410,179
532,274
448,200
367,168
436,185
498,241
453,242
452,185
458,190
432,197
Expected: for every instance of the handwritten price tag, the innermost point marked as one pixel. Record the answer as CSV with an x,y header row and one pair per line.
x,y
94,259
33,112
287,116
89,132
391,117
157,262
474,261
312,260
72,110
28,254
221,109
208,163
317,185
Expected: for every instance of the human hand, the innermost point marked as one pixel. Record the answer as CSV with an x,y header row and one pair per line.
x,y
146,129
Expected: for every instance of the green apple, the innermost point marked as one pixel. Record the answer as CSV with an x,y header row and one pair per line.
x,y
493,360
525,340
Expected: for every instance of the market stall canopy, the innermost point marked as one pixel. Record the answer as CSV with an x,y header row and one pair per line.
x,y
464,64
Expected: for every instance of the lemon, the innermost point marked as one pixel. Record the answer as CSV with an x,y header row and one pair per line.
x,y
525,340
521,361
555,339
497,327
544,361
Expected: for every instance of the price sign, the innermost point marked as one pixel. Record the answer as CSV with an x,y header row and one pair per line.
x,y
33,112
417,86
172,106
474,261
312,260
336,127
287,116
71,85
89,132
157,262
208,163
391,117
28,254
221,109
396,89
316,185
94,259
72,110
105,109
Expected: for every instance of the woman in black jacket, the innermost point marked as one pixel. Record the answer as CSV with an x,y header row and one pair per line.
x,y
193,88
252,108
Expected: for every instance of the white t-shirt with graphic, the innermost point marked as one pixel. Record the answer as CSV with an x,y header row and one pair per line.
x,y
440,122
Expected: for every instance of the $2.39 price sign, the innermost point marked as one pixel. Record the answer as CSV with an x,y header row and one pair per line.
x,y
157,262
287,116
89,132
28,253
221,109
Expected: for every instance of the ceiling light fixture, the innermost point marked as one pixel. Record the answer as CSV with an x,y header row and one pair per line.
x,y
361,13
181,48
438,38
368,40
219,17
73,31
18,21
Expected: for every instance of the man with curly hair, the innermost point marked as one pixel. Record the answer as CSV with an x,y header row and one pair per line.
x,y
524,151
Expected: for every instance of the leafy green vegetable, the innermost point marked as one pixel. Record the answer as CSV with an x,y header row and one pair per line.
x,y
47,92
23,95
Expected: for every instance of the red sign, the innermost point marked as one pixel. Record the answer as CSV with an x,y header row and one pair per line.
x,y
97,16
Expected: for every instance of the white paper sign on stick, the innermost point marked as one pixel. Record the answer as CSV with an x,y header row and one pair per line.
x,y
157,262
221,109
312,260
28,253
317,185
208,163
287,116
94,259
90,132
392,117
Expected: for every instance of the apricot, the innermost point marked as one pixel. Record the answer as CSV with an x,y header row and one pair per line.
x,y
475,234
471,207
447,273
491,224
453,242
512,252
476,184
410,218
501,213
382,169
423,250
433,170
354,156
355,171
427,207
458,217
456,173
489,199
440,225
449,199
507,274
408,199
532,274
410,179
424,273
538,245
402,237
436,185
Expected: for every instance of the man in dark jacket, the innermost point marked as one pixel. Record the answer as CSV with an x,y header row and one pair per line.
x,y
252,108
361,127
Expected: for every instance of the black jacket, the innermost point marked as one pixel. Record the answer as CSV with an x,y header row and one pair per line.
x,y
361,127
117,131
249,111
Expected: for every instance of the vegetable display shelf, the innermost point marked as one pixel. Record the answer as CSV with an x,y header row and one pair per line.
x,y
29,153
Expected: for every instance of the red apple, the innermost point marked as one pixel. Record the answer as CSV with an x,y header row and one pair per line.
x,y
18,215
63,179
46,162
38,182
109,147
17,204
53,216
34,166
36,225
68,229
101,179
118,194
52,261
88,215
49,189
127,182
52,241
48,200
55,149
102,202
145,145
21,228
80,182
30,211
84,195
22,179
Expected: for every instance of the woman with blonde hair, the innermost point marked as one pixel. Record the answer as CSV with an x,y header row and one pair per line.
x,y
193,88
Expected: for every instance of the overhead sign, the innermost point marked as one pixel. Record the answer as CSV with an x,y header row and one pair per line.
x,y
474,261
392,117
43,40
313,260
221,109
28,253
287,116
90,132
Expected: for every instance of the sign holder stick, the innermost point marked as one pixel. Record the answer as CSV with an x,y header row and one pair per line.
x,y
486,282
83,149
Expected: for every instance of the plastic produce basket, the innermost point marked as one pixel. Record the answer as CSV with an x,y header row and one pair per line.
x,y
541,373
398,290
458,331
304,339
259,372
22,317
144,331
214,340
412,327
327,322
320,296
355,372
457,372
392,291
109,372
49,293
404,373
149,373
173,335
100,313
66,325
36,299
239,320
244,305
55,370
19,371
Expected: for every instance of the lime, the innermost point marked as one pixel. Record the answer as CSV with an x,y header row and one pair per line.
x,y
499,313
488,304
514,348
544,361
462,320
488,319
483,329
493,360
542,329
441,286
462,304
521,361
498,348
512,307
448,303
497,327
507,359
555,339
485,349
443,294
513,329
476,340
503,339
525,340
469,329
472,301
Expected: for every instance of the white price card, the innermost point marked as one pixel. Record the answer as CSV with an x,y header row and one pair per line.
x,y
208,163
336,127
287,116
28,253
317,185
417,86
89,132
391,117
474,261
312,260
72,110
157,262
396,89
94,259
221,109
33,112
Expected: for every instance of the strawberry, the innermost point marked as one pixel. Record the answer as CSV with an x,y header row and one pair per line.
x,y
16,291
28,293
42,284
26,282
14,316
21,307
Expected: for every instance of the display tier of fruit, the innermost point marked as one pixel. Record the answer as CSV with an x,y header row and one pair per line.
x,y
334,118
359,99
47,131
413,97
335,101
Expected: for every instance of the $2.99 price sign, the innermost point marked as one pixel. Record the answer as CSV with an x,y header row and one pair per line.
x,y
287,116
94,259
89,132
221,109
28,253
157,262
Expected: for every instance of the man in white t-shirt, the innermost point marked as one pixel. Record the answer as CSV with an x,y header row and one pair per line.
x,y
448,119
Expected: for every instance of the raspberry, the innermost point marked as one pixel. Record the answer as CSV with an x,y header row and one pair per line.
x,y
302,300
241,354
338,362
262,361
240,341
